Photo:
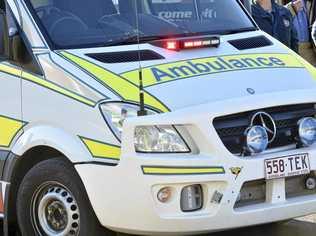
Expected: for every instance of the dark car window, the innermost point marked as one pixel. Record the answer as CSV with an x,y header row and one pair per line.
x,y
81,23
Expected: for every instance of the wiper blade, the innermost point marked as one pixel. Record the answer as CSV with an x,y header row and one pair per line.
x,y
134,39
236,31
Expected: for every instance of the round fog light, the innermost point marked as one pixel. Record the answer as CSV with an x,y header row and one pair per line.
x,y
307,130
310,183
256,139
164,194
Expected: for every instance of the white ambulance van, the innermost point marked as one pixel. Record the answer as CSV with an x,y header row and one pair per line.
x,y
150,117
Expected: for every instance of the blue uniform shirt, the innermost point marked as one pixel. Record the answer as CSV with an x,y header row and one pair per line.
x,y
278,23
301,24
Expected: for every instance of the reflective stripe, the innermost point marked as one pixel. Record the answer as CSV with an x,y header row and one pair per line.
x,y
151,170
45,83
57,88
211,65
309,67
10,70
119,85
8,129
102,150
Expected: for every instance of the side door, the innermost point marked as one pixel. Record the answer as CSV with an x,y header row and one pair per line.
x,y
10,91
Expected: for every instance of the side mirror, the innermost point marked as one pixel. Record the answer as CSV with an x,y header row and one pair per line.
x,y
13,31
11,47
3,35
16,46
19,53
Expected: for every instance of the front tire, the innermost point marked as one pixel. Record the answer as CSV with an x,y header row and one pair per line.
x,y
52,201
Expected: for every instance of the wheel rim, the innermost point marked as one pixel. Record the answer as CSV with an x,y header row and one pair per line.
x,y
54,211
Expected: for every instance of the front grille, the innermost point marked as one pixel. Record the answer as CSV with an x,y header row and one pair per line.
x,y
231,128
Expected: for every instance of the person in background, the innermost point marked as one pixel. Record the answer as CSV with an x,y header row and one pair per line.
x,y
276,20
314,33
309,8
302,11
300,21
312,14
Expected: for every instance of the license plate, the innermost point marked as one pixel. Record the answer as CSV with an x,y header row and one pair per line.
x,y
287,166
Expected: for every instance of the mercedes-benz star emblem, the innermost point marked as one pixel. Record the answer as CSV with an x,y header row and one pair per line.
x,y
266,121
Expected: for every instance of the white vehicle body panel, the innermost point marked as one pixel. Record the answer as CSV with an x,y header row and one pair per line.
x,y
61,107
212,152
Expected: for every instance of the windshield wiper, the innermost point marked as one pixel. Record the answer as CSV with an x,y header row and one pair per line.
x,y
134,39
236,31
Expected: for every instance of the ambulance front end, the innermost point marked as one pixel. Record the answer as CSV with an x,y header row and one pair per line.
x,y
179,116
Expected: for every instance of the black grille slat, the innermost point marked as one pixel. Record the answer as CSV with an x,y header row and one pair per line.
x,y
126,56
249,43
231,128
233,131
286,123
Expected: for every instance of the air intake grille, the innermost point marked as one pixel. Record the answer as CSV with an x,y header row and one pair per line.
x,y
231,128
249,43
127,56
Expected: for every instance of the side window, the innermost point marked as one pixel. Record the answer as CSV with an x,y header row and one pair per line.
x,y
19,51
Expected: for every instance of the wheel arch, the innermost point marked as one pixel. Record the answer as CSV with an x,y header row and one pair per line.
x,y
59,139
15,168
36,144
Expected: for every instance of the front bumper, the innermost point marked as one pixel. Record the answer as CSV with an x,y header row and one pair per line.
x,y
124,198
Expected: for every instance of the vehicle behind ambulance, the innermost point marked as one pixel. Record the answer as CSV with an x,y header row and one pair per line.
x,y
150,117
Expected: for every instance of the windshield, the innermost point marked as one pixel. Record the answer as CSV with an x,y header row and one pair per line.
x,y
92,23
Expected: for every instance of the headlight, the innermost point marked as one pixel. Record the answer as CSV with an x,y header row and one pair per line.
x,y
307,130
159,139
116,113
256,139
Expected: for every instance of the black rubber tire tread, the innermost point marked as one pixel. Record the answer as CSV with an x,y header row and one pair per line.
x,y
56,169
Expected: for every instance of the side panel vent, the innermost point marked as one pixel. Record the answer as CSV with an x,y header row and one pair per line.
x,y
249,43
127,56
